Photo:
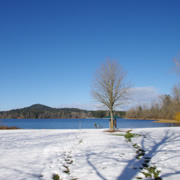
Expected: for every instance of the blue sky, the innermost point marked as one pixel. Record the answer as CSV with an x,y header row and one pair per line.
x,y
50,50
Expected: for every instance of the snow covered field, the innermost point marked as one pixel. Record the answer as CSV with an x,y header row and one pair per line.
x,y
88,154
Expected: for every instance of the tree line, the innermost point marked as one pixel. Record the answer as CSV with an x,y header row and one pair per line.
x,y
39,111
165,107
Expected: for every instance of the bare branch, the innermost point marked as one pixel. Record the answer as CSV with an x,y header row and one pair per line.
x,y
110,85
177,64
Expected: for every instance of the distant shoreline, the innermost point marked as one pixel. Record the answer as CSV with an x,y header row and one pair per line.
x,y
157,120
166,121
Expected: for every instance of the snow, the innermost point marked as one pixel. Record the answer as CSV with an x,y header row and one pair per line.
x,y
87,154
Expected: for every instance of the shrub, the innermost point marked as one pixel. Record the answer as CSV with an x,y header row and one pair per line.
x,y
152,173
55,177
177,116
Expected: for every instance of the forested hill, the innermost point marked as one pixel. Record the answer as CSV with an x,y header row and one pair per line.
x,y
38,111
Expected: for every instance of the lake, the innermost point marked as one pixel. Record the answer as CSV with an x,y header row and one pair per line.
x,y
80,123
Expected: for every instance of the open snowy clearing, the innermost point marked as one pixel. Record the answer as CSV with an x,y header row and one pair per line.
x,y
88,154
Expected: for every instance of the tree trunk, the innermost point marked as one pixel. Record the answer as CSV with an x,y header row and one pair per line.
x,y
111,122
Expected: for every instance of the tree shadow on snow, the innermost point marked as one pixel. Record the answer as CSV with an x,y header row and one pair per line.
x,y
129,172
21,173
133,166
93,166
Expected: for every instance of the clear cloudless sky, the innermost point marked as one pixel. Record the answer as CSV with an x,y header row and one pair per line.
x,y
50,50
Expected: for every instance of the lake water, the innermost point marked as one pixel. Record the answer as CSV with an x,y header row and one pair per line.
x,y
80,123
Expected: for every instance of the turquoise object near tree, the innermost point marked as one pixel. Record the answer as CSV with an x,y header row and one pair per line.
x,y
114,117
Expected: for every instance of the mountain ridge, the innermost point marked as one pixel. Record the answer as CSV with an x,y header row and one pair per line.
x,y
40,111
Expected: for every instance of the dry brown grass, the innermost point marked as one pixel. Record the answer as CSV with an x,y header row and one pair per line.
x,y
116,130
6,127
166,121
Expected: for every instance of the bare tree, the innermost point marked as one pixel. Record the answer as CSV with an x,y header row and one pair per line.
x,y
176,92
110,87
177,64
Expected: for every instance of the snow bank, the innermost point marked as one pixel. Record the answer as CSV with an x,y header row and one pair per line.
x,y
87,154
